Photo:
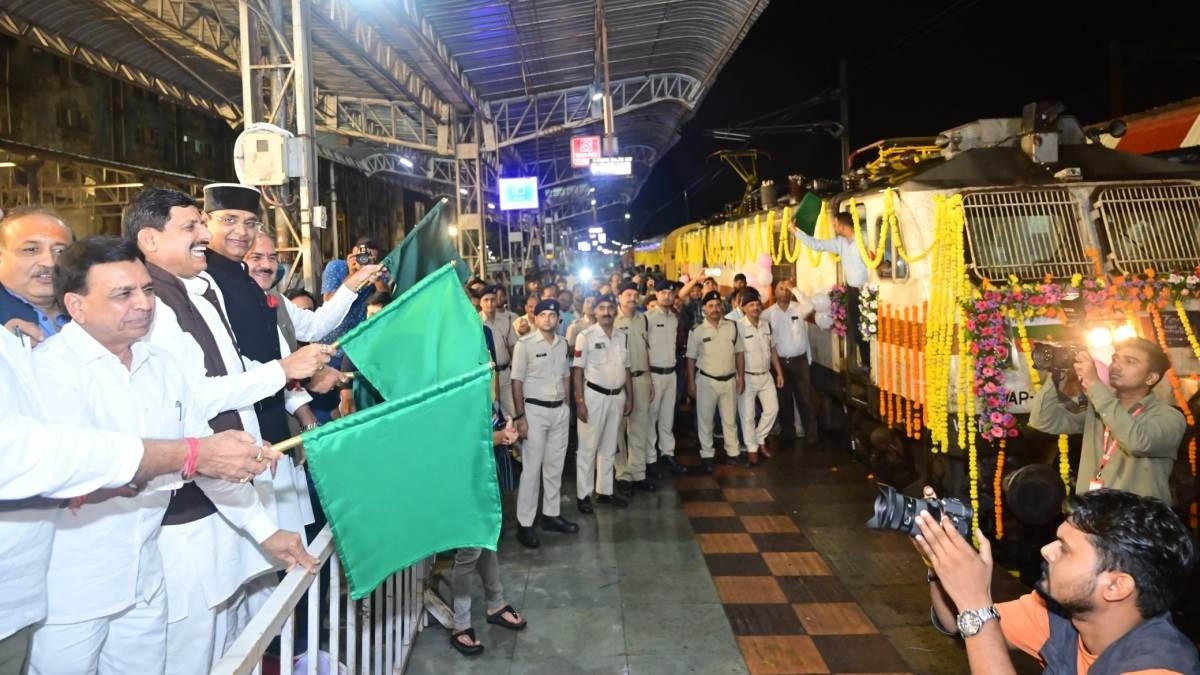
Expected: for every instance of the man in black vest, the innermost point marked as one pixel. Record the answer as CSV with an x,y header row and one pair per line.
x,y
1102,605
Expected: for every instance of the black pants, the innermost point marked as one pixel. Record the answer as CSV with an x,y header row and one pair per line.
x,y
797,381
852,331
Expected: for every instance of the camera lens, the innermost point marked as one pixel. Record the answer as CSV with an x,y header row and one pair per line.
x,y
898,512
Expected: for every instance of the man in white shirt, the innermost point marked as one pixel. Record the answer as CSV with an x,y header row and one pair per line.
x,y
207,561
763,375
854,271
788,318
70,462
107,602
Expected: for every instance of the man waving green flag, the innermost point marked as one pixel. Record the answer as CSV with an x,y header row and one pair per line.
x,y
427,248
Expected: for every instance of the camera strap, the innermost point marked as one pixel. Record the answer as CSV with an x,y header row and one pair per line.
x,y
1110,443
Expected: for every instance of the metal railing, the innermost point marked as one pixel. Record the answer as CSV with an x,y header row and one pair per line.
x,y
1152,226
1027,233
372,636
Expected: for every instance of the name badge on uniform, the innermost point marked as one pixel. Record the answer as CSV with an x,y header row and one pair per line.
x,y
749,335
538,356
598,345
707,339
660,325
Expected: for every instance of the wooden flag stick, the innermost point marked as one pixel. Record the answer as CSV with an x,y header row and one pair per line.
x,y
295,441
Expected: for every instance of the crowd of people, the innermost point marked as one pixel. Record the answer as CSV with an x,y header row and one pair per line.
x,y
144,516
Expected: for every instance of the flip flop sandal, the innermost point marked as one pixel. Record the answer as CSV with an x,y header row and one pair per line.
x,y
464,649
499,620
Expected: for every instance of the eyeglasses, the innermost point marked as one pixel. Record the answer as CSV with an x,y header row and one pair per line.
x,y
234,221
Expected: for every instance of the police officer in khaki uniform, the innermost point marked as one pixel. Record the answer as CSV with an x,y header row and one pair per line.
x,y
761,360
505,338
541,374
662,336
715,350
633,441
602,397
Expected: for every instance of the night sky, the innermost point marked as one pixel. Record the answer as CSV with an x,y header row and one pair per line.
x,y
917,68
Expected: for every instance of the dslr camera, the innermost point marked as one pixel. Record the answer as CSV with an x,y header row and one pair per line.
x,y
365,258
898,512
1054,357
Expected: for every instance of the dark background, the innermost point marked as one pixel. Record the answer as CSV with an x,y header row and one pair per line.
x,y
917,68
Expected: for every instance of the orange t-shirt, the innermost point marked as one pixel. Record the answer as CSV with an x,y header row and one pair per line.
x,y
1026,625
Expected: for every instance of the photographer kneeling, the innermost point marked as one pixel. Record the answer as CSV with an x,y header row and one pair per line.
x,y
1102,606
1130,437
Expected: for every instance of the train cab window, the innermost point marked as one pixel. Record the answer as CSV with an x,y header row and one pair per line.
x,y
893,267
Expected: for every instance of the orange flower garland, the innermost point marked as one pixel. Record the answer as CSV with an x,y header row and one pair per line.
x,y
884,335
997,489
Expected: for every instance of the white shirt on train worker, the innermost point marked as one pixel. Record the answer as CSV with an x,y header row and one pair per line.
x,y
105,556
603,359
758,343
312,325
541,366
55,460
789,328
853,267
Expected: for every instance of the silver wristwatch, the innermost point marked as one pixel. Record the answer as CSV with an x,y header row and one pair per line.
x,y
971,621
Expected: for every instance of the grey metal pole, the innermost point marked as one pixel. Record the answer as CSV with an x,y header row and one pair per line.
x,y
305,130
333,222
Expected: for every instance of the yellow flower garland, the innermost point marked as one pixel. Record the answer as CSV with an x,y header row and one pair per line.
x,y
947,269
1064,461
998,489
872,260
1187,328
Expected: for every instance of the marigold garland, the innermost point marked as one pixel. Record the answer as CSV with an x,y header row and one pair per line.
x,y
884,336
1064,461
997,490
1160,335
871,260
1187,327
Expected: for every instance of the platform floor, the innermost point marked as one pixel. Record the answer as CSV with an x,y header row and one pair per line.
x,y
764,570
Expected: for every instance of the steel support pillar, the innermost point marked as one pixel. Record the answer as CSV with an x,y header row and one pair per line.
x,y
468,193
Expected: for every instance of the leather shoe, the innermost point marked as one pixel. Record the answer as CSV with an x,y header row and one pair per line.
x,y
615,501
740,460
707,465
753,457
644,485
528,537
674,467
559,524
655,471
625,488
584,505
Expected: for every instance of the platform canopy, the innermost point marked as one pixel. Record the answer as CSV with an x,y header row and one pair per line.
x,y
393,76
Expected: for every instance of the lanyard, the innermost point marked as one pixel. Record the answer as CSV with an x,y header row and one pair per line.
x,y
1111,444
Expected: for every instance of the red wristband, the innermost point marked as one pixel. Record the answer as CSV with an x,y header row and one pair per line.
x,y
193,457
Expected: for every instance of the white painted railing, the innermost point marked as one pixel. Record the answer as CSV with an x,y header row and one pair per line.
x,y
372,636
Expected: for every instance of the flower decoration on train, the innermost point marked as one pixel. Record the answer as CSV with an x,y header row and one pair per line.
x,y
837,309
985,334
868,311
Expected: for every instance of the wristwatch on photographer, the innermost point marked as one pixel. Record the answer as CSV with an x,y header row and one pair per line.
x,y
971,621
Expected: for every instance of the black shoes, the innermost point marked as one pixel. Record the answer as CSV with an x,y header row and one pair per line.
x,y
616,501
559,524
674,467
740,460
644,485
707,465
655,471
528,537
584,505
624,488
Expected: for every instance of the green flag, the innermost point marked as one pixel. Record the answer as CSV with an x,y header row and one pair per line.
x,y
408,478
807,213
429,334
428,247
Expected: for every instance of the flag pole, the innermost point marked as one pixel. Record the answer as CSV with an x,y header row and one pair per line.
x,y
295,441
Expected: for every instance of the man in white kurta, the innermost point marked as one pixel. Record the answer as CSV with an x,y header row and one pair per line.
x,y
207,561
107,603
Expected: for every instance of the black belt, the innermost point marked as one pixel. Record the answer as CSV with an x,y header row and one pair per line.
x,y
662,371
544,404
721,378
607,392
762,373
790,358
503,367
637,373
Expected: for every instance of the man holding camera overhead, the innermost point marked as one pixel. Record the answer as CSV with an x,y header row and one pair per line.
x,y
1130,437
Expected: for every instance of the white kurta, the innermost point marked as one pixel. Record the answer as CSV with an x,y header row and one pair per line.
x,y
314,325
49,459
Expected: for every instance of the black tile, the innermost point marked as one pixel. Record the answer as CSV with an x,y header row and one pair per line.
x,y
814,589
782,542
763,620
716,525
737,565
859,654
758,509
701,495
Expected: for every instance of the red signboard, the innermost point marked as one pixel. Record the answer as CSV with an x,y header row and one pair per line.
x,y
584,149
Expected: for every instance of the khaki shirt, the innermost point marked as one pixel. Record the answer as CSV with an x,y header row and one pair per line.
x,y
503,335
604,360
541,366
759,342
713,348
635,327
664,327
1147,444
